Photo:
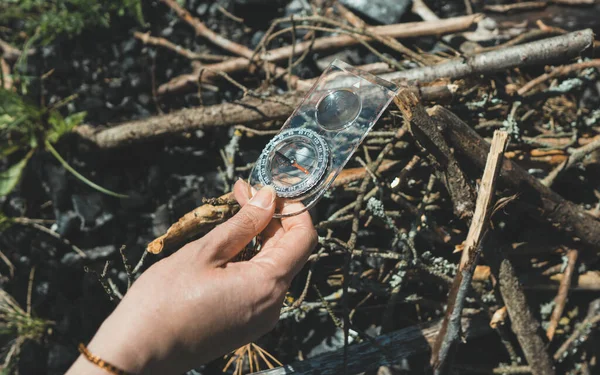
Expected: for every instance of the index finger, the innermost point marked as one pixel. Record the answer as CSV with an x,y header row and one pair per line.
x,y
289,253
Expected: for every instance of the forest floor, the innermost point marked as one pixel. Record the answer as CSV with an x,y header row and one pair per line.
x,y
170,102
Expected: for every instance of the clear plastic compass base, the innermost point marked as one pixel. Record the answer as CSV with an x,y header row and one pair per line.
x,y
338,111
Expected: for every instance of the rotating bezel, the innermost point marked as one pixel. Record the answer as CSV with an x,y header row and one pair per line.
x,y
308,185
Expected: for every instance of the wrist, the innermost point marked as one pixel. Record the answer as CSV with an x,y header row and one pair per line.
x,y
122,343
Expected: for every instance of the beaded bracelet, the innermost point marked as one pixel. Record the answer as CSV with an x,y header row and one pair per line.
x,y
100,362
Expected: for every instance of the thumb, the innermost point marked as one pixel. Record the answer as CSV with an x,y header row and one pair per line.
x,y
226,240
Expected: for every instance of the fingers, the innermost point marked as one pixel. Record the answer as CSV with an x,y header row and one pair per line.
x,y
241,191
226,240
288,255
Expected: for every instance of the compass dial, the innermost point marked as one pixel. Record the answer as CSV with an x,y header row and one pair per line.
x,y
293,162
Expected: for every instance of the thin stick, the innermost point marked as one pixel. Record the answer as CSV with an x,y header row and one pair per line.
x,y
217,39
30,289
42,228
403,30
576,156
146,38
229,15
11,267
563,292
558,72
505,8
450,330
422,10
576,337
127,266
9,52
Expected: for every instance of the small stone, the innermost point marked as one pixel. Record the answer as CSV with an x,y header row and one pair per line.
x,y
382,11
167,31
97,253
144,98
201,9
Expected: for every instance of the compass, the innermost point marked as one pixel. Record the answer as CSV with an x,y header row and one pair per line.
x,y
293,162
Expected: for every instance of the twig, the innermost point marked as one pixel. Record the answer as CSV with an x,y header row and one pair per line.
x,y
229,15
563,292
466,141
9,52
42,228
146,38
526,5
468,7
205,32
397,31
422,10
30,289
349,16
576,156
403,30
127,267
354,233
6,81
109,287
226,44
140,263
578,336
558,72
456,297
252,110
11,267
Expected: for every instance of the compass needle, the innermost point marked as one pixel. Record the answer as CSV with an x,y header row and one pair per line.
x,y
301,168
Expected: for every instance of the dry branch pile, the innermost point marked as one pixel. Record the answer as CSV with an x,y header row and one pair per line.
x,y
464,234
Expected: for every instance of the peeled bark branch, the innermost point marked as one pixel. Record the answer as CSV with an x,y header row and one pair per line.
x,y
204,218
449,333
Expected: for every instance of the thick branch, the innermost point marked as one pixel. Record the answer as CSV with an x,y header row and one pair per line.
x,y
559,48
428,133
548,205
523,323
249,110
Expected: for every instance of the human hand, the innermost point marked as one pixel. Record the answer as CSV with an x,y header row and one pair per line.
x,y
196,305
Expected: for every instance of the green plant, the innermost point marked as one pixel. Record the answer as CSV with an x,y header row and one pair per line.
x,y
50,18
25,128
18,326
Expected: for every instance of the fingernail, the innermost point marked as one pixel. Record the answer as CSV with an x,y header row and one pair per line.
x,y
264,198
